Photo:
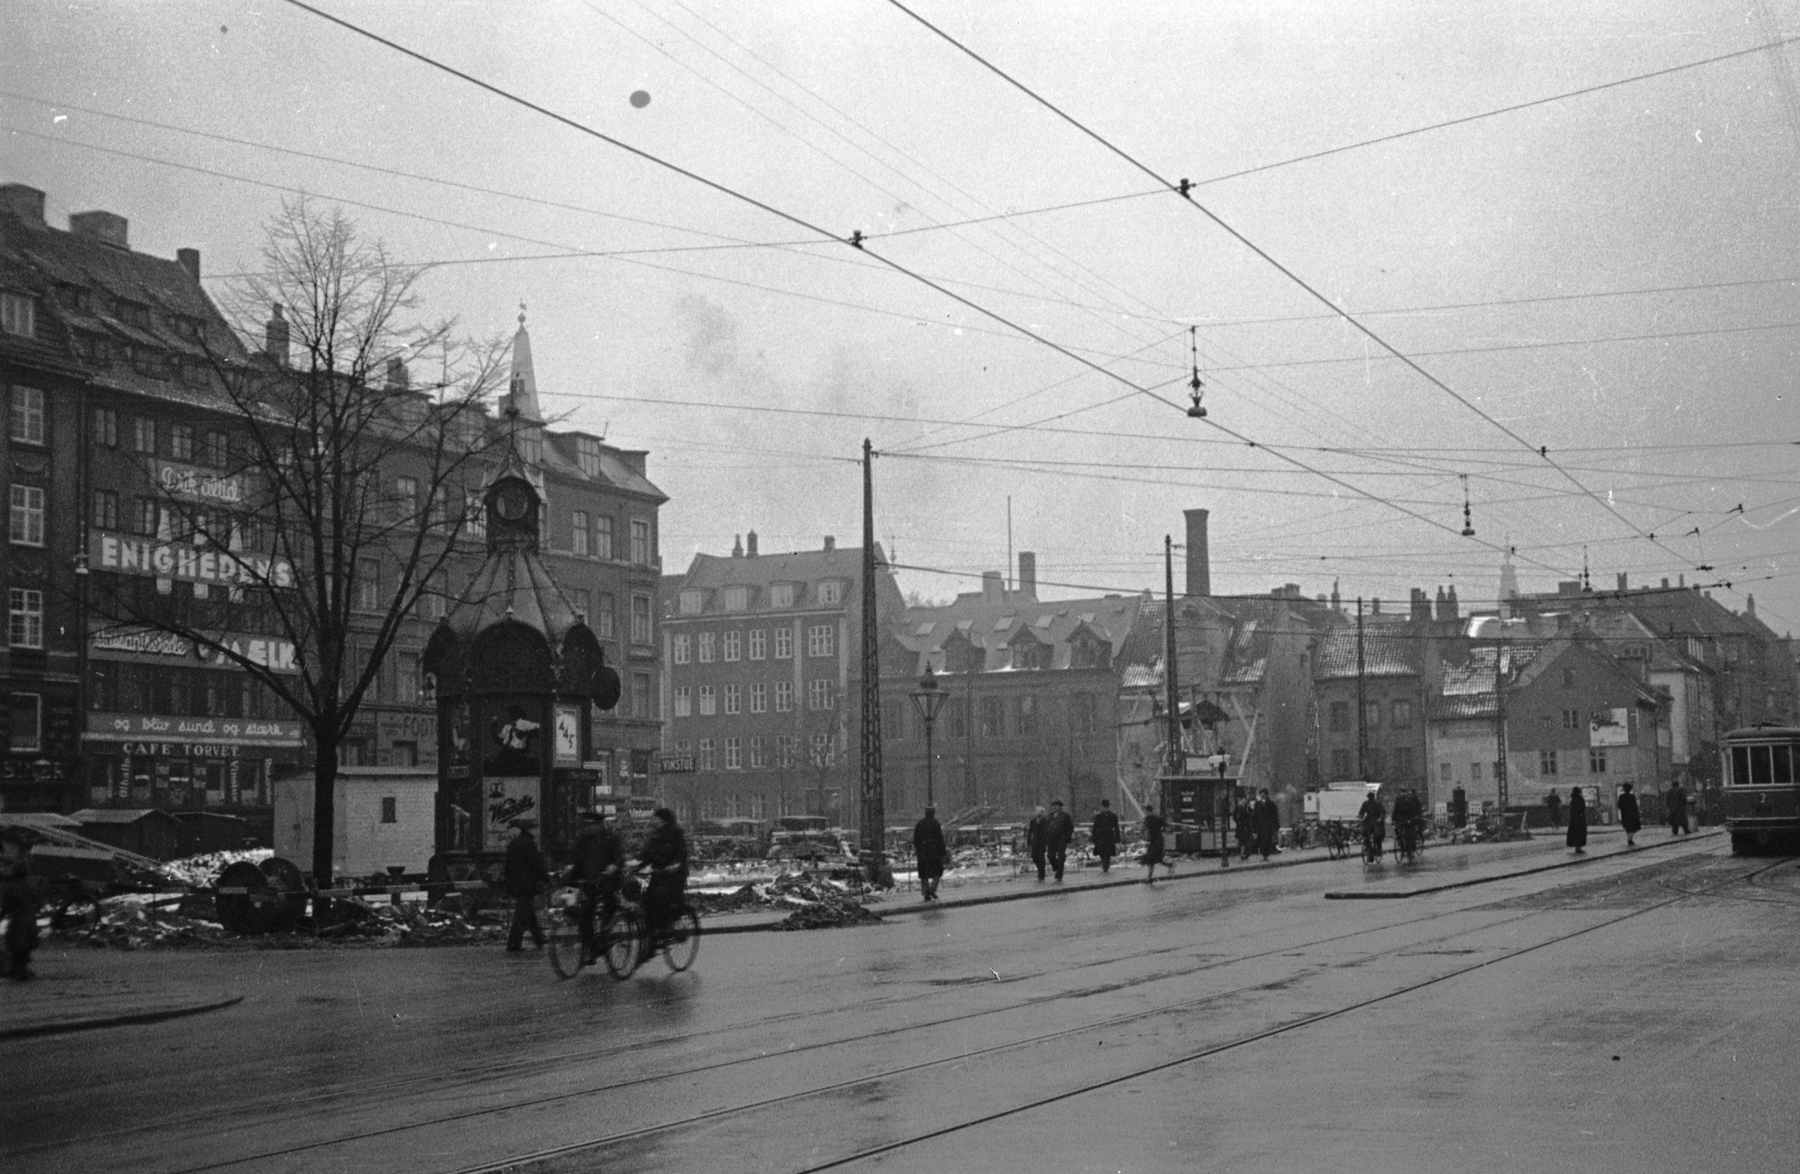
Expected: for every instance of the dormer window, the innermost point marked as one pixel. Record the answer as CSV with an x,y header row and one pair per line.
x,y
692,602
18,314
831,593
587,455
781,595
737,599
132,313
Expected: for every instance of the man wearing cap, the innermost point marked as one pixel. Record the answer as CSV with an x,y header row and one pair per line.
x,y
526,873
929,851
1057,834
599,859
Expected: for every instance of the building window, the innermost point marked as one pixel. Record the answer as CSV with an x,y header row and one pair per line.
x,y
640,542
737,599
822,750
406,678
216,450
709,701
784,696
734,754
390,809
25,721
587,455
582,600
1546,762
707,757
25,420
641,630
26,516
759,697
603,536
1403,762
1445,773
106,510
831,593
368,584
734,699
819,694
709,644
1372,761
640,695
606,619
1475,772
578,531
781,595
759,752
143,435
1340,717
1371,715
1400,715
1596,760
682,648
24,618
784,644
1028,715
1571,719
1340,764
692,603
406,498
181,442
820,640
732,645
993,723
18,314
106,427
143,519
684,701
759,644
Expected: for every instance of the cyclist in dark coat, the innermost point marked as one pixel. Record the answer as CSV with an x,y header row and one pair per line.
x,y
929,850
1373,817
1106,834
1629,817
1057,833
1577,834
666,856
599,860
526,873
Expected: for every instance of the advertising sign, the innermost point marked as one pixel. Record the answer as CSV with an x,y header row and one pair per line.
x,y
216,731
195,561
1610,727
127,643
194,484
568,735
509,797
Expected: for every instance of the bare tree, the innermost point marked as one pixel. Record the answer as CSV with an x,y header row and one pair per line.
x,y
323,549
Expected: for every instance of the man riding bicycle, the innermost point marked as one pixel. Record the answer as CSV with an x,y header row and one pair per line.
x,y
1409,821
1373,817
665,854
598,862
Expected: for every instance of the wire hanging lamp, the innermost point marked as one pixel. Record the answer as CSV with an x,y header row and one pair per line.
x,y
1468,530
1194,385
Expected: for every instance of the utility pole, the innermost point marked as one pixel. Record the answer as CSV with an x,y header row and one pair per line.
x,y
1500,779
874,813
1173,697
1362,708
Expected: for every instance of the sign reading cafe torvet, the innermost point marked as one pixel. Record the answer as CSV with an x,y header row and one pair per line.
x,y
196,561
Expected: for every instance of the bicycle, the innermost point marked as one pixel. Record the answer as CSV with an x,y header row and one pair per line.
x,y
1407,841
679,941
616,936
1337,840
1372,837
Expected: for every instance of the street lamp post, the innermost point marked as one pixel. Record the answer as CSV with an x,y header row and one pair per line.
x,y
928,699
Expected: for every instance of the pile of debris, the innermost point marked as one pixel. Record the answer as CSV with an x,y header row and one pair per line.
x,y
833,911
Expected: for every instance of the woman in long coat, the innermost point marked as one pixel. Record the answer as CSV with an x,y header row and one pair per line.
x,y
1153,843
1629,817
1577,837
929,848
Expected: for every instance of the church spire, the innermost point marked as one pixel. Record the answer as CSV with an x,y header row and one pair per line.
x,y
522,388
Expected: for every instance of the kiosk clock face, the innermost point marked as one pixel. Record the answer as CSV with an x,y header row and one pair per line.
x,y
513,502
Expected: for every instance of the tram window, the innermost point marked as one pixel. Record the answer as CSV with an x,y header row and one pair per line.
x,y
1759,765
1740,766
1782,769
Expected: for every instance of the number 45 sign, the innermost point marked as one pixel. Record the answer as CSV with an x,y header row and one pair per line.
x,y
568,735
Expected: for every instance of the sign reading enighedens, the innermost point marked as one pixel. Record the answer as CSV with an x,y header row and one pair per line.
x,y
198,561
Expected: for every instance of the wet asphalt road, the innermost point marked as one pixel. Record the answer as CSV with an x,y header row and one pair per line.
x,y
1630,1014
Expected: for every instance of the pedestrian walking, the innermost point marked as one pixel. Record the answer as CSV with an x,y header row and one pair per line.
x,y
1153,844
1106,834
1576,837
526,873
1057,834
1629,819
929,852
1678,812
1037,834
18,903
1243,824
1265,819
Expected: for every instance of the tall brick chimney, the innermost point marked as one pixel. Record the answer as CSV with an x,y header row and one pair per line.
x,y
1028,574
750,544
189,259
993,587
27,203
275,337
1199,562
106,227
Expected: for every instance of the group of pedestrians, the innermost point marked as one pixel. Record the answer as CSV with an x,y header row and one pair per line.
x,y
1256,823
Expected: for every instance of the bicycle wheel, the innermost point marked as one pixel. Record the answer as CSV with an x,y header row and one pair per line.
x,y
619,943
682,941
562,933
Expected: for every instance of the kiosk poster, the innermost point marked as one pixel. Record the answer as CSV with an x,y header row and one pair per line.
x,y
508,797
568,735
515,739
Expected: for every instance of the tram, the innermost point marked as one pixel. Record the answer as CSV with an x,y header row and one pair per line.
x,y
1761,769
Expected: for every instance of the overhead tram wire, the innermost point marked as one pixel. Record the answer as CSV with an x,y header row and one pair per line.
x,y
1184,190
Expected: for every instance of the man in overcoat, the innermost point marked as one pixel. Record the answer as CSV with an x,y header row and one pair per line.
x,y
1266,819
1106,834
526,873
1057,836
930,851
1037,834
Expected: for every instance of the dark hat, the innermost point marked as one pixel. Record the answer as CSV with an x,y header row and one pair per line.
x,y
524,823
929,808
664,814
1624,786
1056,802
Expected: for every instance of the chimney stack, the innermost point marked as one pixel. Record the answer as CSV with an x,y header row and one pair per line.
x,y
109,228
830,543
27,203
398,379
993,587
1199,565
750,544
189,259
737,546
1421,603
275,337
1028,574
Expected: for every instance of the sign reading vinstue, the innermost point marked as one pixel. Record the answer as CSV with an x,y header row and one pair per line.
x,y
198,561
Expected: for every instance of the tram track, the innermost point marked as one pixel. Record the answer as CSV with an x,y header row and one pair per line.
x,y
580,1154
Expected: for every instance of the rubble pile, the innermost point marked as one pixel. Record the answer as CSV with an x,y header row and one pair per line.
x,y
835,909
203,871
409,924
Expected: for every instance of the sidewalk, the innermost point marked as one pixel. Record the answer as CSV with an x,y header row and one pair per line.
x,y
66,998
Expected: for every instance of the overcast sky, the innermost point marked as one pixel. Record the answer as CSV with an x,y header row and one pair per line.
x,y
1587,261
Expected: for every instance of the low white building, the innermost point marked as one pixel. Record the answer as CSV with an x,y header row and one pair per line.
x,y
385,817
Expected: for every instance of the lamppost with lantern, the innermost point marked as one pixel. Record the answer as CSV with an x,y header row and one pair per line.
x,y
928,699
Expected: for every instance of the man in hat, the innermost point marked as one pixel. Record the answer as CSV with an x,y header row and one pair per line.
x,y
929,851
1057,834
1106,834
1630,818
526,873
599,861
